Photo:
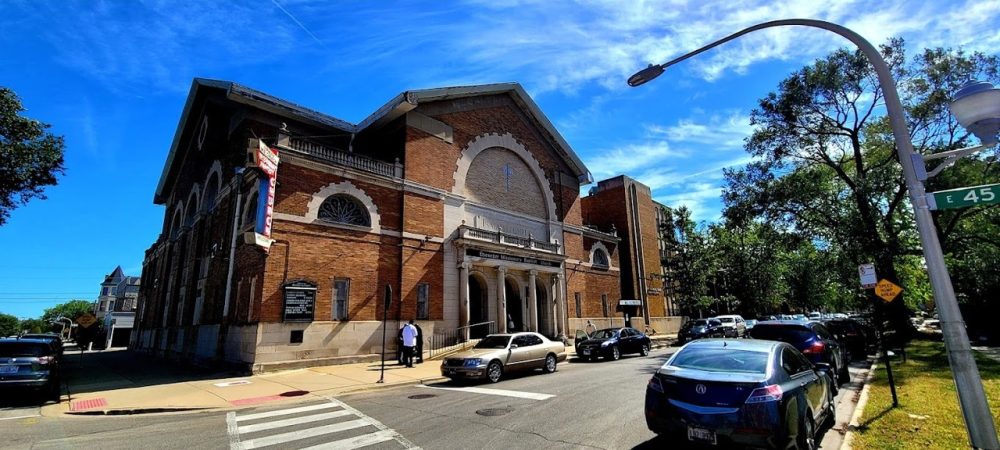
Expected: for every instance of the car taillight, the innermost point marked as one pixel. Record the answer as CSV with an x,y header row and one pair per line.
x,y
814,349
43,360
654,384
770,393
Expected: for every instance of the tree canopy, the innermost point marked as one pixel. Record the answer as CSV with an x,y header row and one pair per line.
x,y
32,157
71,310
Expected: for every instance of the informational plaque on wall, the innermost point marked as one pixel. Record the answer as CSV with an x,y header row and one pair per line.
x,y
300,302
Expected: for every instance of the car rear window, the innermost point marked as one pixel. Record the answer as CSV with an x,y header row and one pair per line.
x,y
721,360
699,323
23,349
727,320
785,333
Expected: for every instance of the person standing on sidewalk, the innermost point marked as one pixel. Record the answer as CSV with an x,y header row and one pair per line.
x,y
409,342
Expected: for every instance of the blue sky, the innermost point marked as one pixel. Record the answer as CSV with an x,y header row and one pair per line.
x,y
112,78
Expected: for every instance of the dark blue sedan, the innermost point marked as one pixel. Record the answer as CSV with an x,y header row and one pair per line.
x,y
729,392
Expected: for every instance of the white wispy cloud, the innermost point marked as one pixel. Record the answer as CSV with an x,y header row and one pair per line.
x,y
702,198
723,132
631,157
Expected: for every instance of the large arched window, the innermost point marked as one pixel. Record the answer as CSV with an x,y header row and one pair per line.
x,y
341,208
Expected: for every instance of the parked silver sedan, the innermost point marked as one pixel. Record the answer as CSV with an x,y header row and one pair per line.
x,y
498,354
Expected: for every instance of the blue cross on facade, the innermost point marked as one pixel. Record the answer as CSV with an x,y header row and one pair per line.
x,y
507,172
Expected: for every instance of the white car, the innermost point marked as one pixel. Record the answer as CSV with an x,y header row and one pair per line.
x,y
733,325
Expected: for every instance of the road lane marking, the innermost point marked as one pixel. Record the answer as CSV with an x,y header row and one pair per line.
x,y
304,434
282,412
291,422
357,441
323,418
500,392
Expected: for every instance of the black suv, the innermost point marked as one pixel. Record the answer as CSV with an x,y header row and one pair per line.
x,y
700,328
813,339
30,364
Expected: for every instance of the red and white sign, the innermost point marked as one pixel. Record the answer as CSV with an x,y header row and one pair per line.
x,y
267,160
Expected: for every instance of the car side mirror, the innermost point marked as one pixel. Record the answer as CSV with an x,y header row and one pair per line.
x,y
822,367
513,346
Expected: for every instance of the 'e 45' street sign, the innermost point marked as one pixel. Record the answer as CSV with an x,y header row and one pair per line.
x,y
987,194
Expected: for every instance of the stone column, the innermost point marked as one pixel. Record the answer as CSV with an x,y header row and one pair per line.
x,y
501,299
463,298
563,319
533,299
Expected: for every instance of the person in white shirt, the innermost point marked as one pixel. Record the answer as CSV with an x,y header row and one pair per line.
x,y
409,342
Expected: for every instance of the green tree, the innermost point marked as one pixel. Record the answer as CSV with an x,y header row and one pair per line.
x,y
8,325
32,157
690,262
71,310
825,163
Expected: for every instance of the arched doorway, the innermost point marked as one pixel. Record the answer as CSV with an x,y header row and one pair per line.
x,y
515,307
477,307
544,309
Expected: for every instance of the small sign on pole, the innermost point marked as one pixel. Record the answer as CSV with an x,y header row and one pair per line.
x,y
867,274
887,290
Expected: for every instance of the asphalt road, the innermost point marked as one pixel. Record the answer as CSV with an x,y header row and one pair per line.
x,y
582,405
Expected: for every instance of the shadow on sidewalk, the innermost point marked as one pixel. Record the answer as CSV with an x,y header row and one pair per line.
x,y
105,370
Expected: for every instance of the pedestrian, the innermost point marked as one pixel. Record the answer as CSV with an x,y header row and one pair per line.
x,y
399,346
420,344
409,342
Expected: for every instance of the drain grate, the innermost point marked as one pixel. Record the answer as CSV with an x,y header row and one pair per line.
x,y
492,412
422,396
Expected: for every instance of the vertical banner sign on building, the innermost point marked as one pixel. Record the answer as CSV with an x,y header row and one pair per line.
x,y
267,160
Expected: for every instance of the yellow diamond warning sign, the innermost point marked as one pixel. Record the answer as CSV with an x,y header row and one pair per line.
x,y
887,290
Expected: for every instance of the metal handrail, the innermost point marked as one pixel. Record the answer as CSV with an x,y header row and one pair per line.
x,y
444,342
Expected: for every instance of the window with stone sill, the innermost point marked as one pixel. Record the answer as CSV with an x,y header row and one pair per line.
x,y
344,209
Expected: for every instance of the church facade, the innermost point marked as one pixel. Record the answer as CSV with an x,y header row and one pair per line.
x,y
292,238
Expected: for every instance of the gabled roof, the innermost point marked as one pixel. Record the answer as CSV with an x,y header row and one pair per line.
x,y
116,274
396,107
409,100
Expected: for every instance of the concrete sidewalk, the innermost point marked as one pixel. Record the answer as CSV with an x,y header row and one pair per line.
x,y
123,382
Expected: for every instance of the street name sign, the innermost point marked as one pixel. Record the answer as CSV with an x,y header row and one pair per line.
x,y
987,194
887,290
867,274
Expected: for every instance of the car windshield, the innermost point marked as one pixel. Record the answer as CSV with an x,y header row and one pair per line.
x,y
727,320
698,323
721,360
494,342
22,349
604,334
791,334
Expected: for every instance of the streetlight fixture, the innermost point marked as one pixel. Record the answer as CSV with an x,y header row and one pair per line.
x,y
974,106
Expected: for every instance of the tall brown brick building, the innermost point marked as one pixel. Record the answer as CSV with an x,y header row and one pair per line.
x,y
463,201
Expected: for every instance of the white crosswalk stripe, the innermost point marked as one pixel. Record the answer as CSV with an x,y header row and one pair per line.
x,y
329,425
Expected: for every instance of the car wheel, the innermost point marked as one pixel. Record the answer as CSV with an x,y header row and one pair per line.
x,y
494,371
807,435
831,414
615,354
844,376
644,350
55,392
550,364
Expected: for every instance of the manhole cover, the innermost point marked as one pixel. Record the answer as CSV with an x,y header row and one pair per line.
x,y
422,396
490,412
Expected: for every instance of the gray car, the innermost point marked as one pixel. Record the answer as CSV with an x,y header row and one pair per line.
x,y
498,354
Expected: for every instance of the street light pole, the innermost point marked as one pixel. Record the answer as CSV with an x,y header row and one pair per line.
x,y
971,396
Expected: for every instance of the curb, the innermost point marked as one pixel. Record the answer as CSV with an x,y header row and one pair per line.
x,y
859,408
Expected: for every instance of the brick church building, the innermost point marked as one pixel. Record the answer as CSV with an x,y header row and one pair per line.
x,y
285,229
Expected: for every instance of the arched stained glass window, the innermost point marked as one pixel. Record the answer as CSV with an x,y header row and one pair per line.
x,y
345,209
600,258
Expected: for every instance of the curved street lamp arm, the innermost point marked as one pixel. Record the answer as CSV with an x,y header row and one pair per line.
x,y
972,397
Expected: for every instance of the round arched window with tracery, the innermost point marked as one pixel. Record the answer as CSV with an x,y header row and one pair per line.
x,y
344,209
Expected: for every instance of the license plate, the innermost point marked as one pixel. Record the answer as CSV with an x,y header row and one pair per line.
x,y
701,435
8,369
452,372
586,352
